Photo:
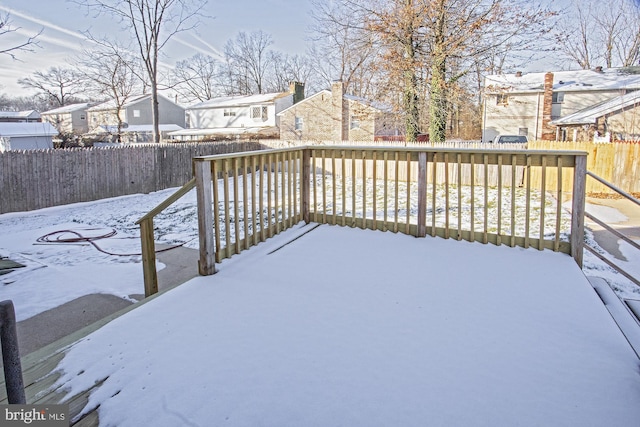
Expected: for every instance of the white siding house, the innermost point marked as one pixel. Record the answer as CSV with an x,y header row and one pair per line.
x,y
137,117
26,136
136,111
526,104
235,116
69,119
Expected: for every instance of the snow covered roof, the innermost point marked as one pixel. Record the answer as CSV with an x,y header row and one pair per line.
x,y
239,101
24,129
111,104
24,115
374,104
591,114
68,108
566,81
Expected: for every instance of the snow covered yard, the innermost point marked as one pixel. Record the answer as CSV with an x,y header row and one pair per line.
x,y
355,327
59,273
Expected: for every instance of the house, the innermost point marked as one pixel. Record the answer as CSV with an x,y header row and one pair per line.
x,y
333,115
20,116
69,118
617,118
247,116
530,104
26,136
135,111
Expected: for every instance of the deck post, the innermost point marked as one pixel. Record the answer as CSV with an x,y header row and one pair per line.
x,y
578,208
149,272
422,195
10,355
204,195
305,185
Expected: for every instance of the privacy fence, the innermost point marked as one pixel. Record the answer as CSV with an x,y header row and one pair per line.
x,y
42,178
618,162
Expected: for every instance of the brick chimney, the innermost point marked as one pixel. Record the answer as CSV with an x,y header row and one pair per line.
x,y
548,131
297,90
338,111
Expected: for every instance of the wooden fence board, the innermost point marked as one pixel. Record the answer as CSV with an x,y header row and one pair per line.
x,y
36,179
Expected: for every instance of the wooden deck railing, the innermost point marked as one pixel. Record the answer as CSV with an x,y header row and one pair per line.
x,y
515,198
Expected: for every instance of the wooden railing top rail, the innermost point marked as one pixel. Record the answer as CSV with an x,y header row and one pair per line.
x,y
247,154
522,157
169,201
396,148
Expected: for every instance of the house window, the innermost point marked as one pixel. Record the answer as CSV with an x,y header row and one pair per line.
x,y
136,113
557,97
83,117
523,131
355,122
298,123
502,99
229,112
259,113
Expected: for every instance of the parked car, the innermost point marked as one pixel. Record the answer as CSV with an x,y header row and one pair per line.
x,y
510,139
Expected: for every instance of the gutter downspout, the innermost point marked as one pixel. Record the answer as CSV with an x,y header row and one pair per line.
x,y
537,116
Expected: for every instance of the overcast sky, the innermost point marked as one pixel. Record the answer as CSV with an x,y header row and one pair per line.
x,y
62,23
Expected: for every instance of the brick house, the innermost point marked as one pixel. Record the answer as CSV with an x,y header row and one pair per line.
x,y
333,115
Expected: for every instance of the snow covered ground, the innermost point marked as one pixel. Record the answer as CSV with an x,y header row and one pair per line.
x,y
59,273
355,327
342,326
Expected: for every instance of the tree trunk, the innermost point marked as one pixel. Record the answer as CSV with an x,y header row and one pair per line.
x,y
156,113
438,102
411,106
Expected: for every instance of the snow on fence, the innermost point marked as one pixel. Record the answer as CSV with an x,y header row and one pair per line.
x,y
36,179
257,195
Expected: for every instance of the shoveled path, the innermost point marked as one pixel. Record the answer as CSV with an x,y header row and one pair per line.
x,y
38,331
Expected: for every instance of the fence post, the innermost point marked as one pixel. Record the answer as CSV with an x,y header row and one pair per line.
x,y
204,195
148,257
422,195
578,208
305,184
10,354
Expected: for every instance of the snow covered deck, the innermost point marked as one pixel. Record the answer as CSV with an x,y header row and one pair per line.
x,y
353,327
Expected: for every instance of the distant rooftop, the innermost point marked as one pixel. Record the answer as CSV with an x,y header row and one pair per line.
x,y
566,81
68,108
24,115
590,115
237,101
23,129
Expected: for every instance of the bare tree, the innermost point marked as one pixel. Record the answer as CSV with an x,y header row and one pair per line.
x,y
601,33
249,59
111,72
26,45
60,86
199,78
343,49
436,42
153,23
